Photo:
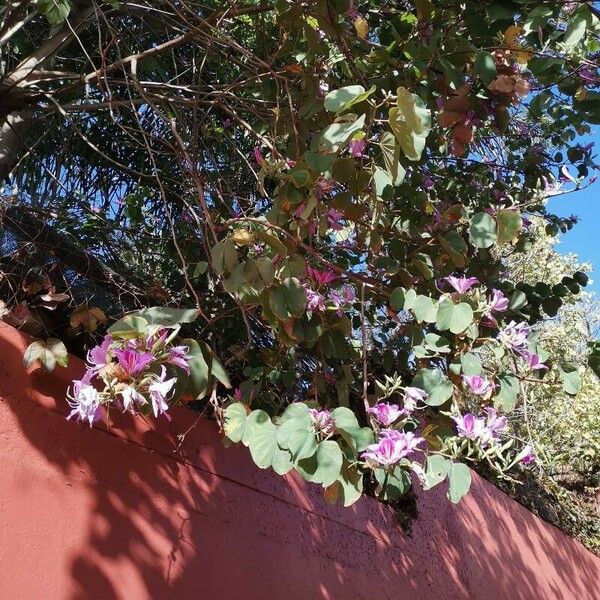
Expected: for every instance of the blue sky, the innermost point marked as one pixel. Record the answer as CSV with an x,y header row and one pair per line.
x,y
584,238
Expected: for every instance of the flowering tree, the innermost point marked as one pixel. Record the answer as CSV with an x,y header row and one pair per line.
x,y
336,189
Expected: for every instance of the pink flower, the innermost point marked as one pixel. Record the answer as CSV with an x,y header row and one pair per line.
x,y
515,335
179,357
385,412
132,361
428,182
526,456
471,427
333,219
258,157
461,284
159,337
533,360
314,300
477,384
499,301
342,297
320,277
84,400
131,398
357,147
392,447
98,355
322,420
412,396
324,187
495,424
159,389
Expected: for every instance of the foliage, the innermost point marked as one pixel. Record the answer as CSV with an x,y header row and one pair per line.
x,y
339,190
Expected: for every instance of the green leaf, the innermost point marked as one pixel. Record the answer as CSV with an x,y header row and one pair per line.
x,y
427,379
462,317
288,299
425,309
295,410
440,394
433,382
580,21
235,421
321,163
129,327
397,299
410,121
301,443
436,343
219,372
571,379
454,317
263,446
260,435
282,461
436,470
459,477
395,485
348,488
342,99
198,380
482,230
509,391
48,353
329,463
517,300
168,317
390,151
56,11
344,418
224,255
383,184
471,364
339,134
509,225
485,65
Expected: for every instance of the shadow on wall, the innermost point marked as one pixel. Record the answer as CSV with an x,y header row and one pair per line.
x,y
135,512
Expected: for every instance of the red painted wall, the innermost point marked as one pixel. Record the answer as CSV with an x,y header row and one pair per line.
x,y
133,513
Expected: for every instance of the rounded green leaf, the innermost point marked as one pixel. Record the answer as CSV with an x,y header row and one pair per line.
x,y
263,444
509,225
440,394
485,65
288,299
482,230
425,309
462,317
282,461
336,100
459,477
235,421
329,463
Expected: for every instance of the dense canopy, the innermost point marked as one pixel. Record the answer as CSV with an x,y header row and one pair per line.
x,y
315,209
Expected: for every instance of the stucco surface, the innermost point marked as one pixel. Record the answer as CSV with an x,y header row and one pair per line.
x,y
136,512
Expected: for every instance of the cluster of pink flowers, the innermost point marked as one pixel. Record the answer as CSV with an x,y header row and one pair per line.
x,y
317,300
387,413
130,374
322,421
484,430
515,337
392,447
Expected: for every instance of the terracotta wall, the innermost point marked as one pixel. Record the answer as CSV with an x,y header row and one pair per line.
x,y
135,513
